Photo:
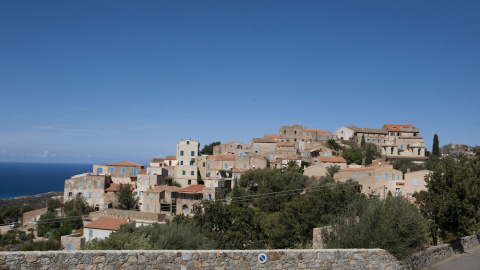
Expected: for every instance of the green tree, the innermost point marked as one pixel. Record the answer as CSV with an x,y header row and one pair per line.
x,y
47,223
452,199
405,164
436,146
78,203
368,156
126,197
392,224
53,204
332,144
353,154
208,149
362,143
332,170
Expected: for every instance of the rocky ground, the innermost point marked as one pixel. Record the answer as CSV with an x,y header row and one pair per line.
x,y
40,199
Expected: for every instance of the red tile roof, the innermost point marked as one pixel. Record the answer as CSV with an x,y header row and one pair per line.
x,y
171,158
315,130
397,127
125,163
332,159
240,170
263,140
221,157
157,160
142,171
169,188
107,223
192,189
116,187
277,136
154,190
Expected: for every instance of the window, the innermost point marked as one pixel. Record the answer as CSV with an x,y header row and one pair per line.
x,y
326,154
141,193
181,153
183,172
204,164
244,166
192,153
123,170
151,196
208,165
291,147
146,181
69,246
415,182
148,206
401,146
134,172
80,184
247,154
99,184
226,166
308,133
271,157
89,195
328,137
313,136
319,136
99,195
354,175
378,176
188,142
99,170
111,170
139,180
89,183
181,162
256,146
271,147
90,233
149,171
191,162
386,176
361,175
241,154
70,194
192,173
189,182
393,177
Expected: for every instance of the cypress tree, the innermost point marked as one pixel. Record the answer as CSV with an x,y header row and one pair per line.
x,y
362,143
436,147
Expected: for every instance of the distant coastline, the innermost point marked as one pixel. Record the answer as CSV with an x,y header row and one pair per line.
x,y
38,199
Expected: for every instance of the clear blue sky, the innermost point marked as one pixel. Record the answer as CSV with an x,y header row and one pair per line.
x,y
105,81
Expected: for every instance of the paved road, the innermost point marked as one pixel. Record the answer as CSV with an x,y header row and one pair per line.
x,y
466,261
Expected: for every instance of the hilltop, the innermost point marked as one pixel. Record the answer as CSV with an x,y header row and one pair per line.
x,y
454,150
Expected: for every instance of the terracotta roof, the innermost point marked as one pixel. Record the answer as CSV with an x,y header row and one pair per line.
x,y
157,160
171,158
125,163
277,136
154,190
263,140
397,127
142,171
192,189
367,168
116,187
332,159
315,130
107,223
221,157
280,144
288,157
169,188
367,130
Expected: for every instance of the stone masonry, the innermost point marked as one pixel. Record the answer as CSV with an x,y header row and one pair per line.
x,y
205,259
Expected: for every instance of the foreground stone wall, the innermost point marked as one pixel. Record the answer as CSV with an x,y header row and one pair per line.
x,y
206,259
439,253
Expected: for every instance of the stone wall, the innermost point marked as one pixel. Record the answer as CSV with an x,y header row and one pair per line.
x,y
439,253
128,214
207,259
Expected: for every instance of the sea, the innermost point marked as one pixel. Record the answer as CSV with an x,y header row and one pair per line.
x,y
25,179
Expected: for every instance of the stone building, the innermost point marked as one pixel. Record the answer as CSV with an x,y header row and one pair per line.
x,y
186,171
298,133
188,197
265,147
124,169
230,147
89,186
415,182
376,180
161,199
331,161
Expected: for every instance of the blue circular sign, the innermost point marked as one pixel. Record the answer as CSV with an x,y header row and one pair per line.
x,y
262,258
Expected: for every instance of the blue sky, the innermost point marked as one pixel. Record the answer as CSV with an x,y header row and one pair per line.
x,y
105,81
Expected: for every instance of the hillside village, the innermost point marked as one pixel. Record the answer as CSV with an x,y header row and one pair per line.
x,y
208,177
